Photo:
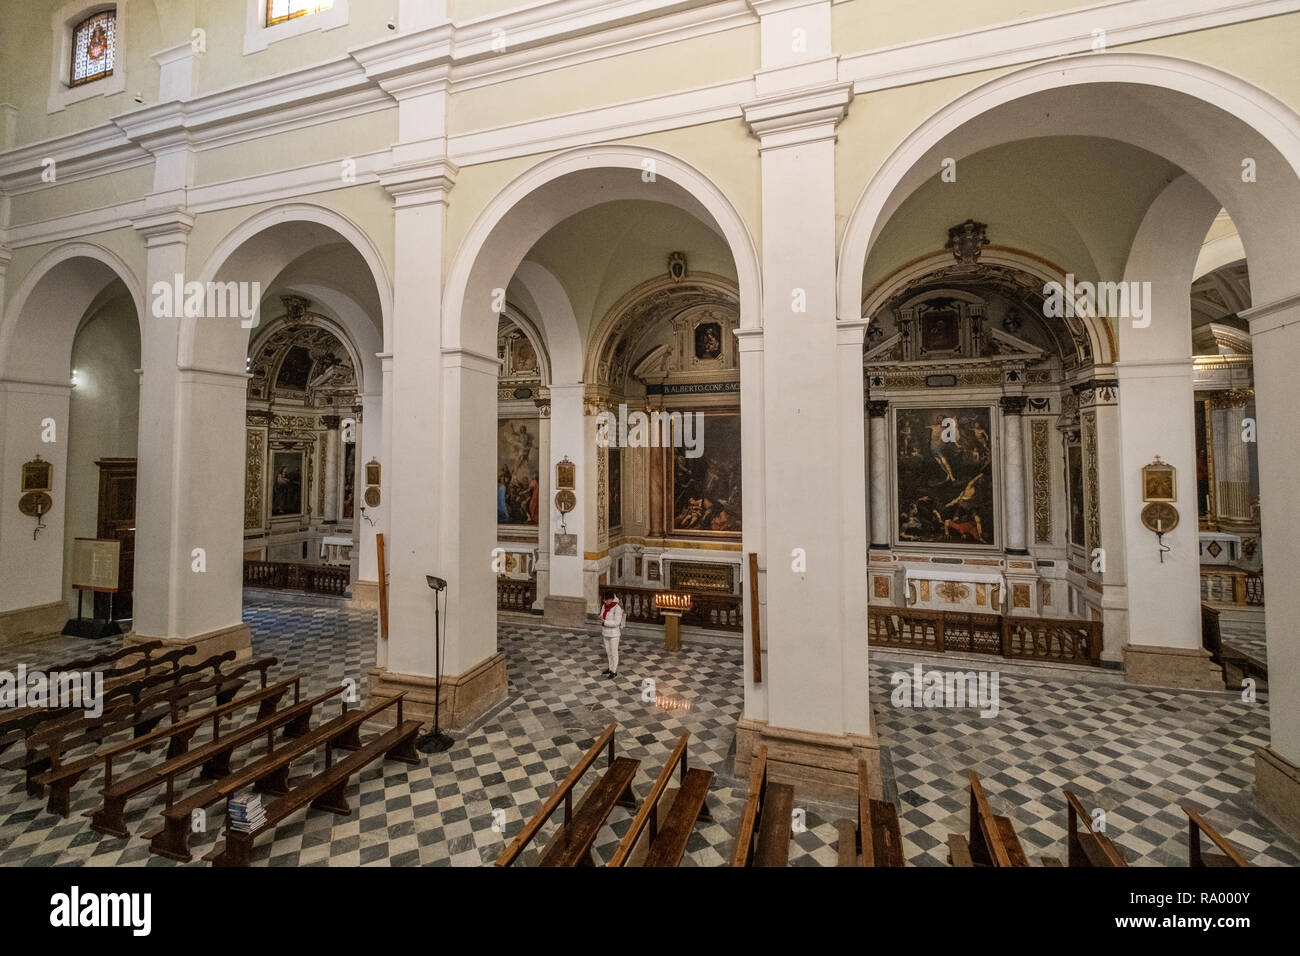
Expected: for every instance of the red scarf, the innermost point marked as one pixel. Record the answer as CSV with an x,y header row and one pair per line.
x,y
606,609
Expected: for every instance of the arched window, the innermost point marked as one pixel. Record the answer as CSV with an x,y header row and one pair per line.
x,y
94,48
280,11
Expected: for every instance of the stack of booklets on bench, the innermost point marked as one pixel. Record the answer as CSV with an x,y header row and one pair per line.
x,y
246,812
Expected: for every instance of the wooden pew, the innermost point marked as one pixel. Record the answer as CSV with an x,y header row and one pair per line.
x,y
1196,825
325,791
29,721
667,842
61,778
139,712
270,774
213,757
873,839
571,845
766,823
1086,847
992,841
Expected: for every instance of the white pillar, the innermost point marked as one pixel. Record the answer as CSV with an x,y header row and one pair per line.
x,y
1013,407
1275,334
817,717
189,537
565,603
545,494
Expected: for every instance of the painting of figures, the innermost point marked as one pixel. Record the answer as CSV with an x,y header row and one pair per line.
x,y
1074,466
517,487
286,483
706,490
945,475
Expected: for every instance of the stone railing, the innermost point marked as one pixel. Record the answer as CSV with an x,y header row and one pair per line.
x,y
1024,638
1232,586
310,578
516,595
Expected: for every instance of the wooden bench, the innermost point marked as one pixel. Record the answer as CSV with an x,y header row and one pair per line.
x,y
60,779
766,823
992,841
48,745
873,839
571,845
268,774
667,842
34,720
213,760
1196,825
324,791
1087,847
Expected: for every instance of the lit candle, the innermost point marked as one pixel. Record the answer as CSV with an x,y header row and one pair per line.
x,y
1160,528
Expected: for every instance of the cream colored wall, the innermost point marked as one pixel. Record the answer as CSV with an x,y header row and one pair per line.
x,y
225,63
869,24
367,206
126,244
464,10
719,57
351,137
30,41
64,198
1042,195
103,420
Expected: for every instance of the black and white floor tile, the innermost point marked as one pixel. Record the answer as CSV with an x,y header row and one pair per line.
x,y
1135,753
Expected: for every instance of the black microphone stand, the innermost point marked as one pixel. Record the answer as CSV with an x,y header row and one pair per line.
x,y
436,741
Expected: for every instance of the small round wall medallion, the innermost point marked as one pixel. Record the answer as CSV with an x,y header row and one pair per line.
x,y
35,503
372,497
1160,517
565,501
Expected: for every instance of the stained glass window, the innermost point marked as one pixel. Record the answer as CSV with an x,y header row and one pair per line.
x,y
278,11
94,47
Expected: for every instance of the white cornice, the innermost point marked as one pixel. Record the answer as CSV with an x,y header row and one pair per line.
x,y
799,116
539,38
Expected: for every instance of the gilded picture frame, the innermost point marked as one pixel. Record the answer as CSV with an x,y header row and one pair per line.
x,y
1159,482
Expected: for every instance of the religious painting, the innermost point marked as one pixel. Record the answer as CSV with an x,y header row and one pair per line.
x,y
524,358
940,330
1074,474
615,487
1158,482
706,489
295,370
38,476
708,340
945,475
373,471
517,475
349,479
286,483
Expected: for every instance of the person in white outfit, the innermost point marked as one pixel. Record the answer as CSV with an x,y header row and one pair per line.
x,y
611,628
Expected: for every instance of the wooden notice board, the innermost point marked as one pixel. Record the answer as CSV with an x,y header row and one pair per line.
x,y
383,587
753,619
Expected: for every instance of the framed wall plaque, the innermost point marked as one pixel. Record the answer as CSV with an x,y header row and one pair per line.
x,y
565,475
1159,481
38,475
373,471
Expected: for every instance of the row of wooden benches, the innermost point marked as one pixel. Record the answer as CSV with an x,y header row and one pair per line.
x,y
138,706
992,841
661,827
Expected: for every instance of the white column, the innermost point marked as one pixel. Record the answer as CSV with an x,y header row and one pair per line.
x,y
878,416
1013,407
189,538
545,494
816,678
565,603
1275,333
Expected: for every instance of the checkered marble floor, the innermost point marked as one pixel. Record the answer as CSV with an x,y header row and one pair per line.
x,y
1246,636
1136,753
